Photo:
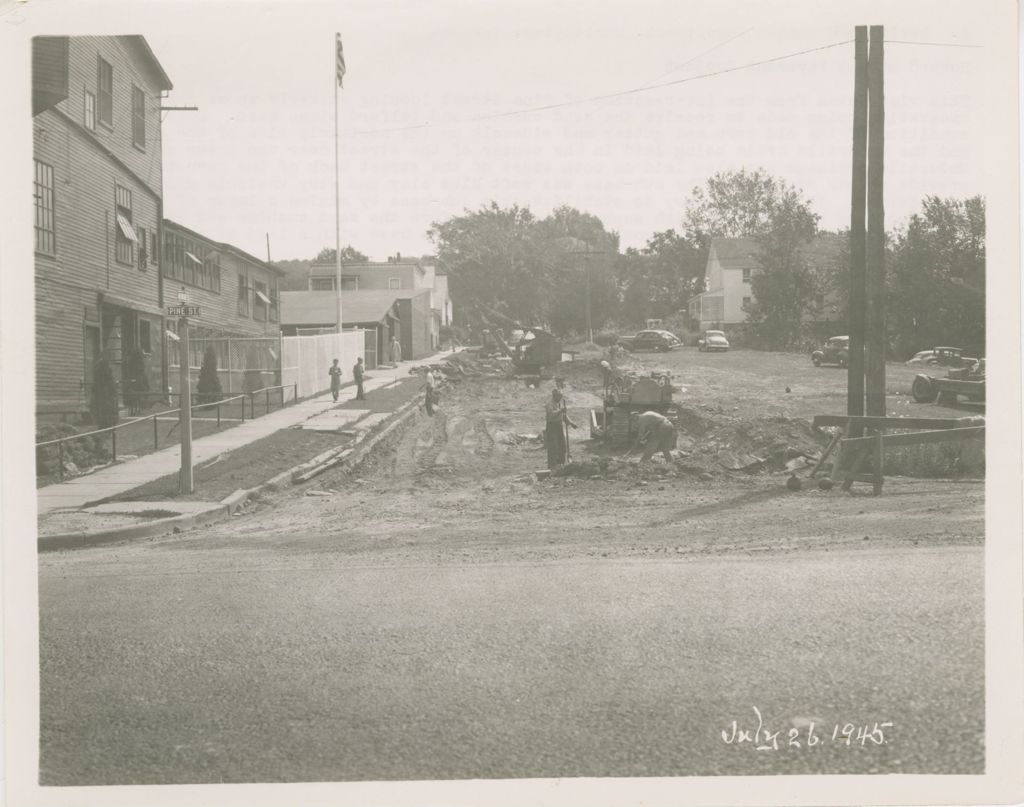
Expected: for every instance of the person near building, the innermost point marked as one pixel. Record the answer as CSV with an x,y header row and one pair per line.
x,y
335,373
556,423
655,432
396,350
357,374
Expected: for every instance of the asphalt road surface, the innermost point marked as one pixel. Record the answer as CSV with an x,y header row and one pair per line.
x,y
167,664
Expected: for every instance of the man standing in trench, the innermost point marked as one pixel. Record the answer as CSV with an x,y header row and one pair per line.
x,y
556,421
655,432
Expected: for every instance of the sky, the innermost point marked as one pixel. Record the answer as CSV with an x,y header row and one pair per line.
x,y
258,155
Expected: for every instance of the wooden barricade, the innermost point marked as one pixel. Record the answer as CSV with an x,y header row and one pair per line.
x,y
855,451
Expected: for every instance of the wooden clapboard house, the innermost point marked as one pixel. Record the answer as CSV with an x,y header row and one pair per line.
x,y
97,199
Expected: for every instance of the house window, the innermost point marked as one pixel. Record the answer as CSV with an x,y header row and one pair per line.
x,y
260,301
144,343
323,284
43,193
105,86
143,249
138,117
746,303
394,283
191,262
90,111
152,246
124,234
243,295
746,275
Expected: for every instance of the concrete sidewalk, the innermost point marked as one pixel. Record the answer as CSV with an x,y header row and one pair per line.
x,y
124,476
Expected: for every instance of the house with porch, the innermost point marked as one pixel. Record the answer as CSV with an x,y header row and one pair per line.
x,y
98,198
732,263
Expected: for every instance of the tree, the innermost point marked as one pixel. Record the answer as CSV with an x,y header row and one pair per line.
x,y
936,276
209,383
495,260
740,204
104,395
348,253
581,254
658,280
754,204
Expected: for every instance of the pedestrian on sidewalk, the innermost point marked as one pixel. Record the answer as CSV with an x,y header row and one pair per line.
x,y
335,373
357,374
396,350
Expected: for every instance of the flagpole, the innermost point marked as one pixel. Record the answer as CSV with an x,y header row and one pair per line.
x,y
337,197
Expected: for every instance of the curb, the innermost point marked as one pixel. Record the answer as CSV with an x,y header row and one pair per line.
x,y
160,526
223,510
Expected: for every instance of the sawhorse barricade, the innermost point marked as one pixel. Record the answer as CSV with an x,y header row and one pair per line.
x,y
854,449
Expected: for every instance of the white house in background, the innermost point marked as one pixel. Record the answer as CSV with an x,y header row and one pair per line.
x,y
732,262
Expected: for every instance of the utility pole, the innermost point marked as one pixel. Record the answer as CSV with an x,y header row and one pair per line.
x,y
875,274
855,363
186,483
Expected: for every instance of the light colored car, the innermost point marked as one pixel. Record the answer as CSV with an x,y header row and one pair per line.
x,y
713,340
921,358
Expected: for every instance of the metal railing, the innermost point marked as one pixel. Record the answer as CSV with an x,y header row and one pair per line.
x,y
266,392
197,406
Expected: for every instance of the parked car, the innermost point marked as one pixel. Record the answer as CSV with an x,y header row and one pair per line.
x,y
712,340
651,340
942,356
835,351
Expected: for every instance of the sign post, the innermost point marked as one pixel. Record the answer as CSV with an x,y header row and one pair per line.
x,y
186,483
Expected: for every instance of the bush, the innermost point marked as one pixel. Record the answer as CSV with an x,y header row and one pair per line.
x,y
79,454
606,338
137,382
104,395
209,382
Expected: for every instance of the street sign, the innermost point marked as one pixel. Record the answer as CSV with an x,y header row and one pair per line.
x,y
183,310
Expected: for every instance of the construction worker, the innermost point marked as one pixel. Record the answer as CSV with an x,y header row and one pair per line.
x,y
556,421
606,375
655,432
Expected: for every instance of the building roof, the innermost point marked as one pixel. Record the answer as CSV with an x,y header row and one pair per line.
x,y
741,253
225,247
323,268
318,307
736,253
143,47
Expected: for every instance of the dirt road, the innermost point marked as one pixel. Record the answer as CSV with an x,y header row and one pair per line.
x,y
460,485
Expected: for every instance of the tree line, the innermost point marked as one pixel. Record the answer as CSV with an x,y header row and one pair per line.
x,y
542,271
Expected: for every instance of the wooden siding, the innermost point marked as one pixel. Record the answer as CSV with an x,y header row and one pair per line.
x,y
84,264
219,311
129,70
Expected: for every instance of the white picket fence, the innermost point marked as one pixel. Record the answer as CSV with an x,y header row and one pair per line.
x,y
306,359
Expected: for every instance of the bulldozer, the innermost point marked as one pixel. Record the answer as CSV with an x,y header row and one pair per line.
x,y
616,422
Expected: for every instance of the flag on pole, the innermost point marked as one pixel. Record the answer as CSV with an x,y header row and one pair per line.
x,y
340,60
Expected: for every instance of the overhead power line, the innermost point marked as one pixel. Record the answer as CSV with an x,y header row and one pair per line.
x,y
619,94
929,44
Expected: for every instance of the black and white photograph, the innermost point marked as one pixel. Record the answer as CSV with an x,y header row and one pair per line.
x,y
511,402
